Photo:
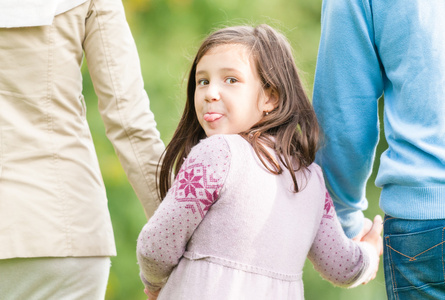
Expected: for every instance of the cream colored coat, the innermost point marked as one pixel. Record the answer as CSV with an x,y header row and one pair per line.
x,y
52,196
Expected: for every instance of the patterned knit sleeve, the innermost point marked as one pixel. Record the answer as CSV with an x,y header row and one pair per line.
x,y
197,186
338,259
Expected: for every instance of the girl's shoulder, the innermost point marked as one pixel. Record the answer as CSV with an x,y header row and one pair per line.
x,y
314,167
207,164
312,176
211,150
227,138
221,151
219,143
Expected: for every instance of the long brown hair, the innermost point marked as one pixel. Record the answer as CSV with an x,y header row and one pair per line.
x,y
291,129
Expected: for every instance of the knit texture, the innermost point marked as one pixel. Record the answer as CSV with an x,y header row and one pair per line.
x,y
367,49
229,229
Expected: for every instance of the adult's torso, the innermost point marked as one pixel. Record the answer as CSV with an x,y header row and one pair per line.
x,y
52,197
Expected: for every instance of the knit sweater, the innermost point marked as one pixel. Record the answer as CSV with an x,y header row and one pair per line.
x,y
396,48
229,229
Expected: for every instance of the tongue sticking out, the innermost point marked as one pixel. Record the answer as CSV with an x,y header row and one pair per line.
x,y
210,117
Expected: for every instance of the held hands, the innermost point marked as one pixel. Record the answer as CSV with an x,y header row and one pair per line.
x,y
371,233
151,295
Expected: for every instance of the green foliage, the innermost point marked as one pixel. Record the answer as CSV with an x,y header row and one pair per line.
x,y
167,33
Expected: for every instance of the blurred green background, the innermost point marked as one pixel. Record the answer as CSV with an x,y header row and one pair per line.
x,y
167,34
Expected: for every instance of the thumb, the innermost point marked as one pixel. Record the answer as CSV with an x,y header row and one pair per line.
x,y
378,223
377,227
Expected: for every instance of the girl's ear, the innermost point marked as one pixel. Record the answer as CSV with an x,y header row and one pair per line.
x,y
271,100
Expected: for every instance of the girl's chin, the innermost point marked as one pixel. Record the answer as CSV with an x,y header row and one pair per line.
x,y
210,132
214,132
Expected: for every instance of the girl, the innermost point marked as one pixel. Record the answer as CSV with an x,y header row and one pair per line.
x,y
248,205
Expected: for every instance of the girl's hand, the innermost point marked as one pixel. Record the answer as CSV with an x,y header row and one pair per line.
x,y
151,295
374,238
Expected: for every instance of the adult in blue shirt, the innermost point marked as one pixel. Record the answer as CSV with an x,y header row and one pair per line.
x,y
370,48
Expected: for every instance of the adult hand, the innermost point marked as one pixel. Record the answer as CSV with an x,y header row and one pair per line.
x,y
374,235
367,224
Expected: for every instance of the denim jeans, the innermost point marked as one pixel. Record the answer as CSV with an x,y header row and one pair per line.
x,y
414,258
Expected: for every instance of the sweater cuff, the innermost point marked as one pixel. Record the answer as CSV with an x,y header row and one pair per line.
x,y
151,287
370,264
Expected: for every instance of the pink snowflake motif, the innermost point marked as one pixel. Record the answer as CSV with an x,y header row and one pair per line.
x,y
190,182
211,197
328,205
191,207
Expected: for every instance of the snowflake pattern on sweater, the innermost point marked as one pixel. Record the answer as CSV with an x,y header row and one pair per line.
x,y
329,210
195,189
199,184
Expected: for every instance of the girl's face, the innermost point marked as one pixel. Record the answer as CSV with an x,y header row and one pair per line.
x,y
229,98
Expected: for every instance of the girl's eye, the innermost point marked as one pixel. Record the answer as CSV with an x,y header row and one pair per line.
x,y
203,82
231,80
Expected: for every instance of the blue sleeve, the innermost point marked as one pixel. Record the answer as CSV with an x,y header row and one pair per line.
x,y
348,83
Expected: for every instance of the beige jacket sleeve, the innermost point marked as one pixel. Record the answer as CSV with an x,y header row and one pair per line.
x,y
115,71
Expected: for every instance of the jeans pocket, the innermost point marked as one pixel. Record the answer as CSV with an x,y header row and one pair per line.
x,y
416,260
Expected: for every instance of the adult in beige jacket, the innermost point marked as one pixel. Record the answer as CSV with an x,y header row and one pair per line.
x,y
54,218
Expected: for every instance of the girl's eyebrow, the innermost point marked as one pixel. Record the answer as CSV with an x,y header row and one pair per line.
x,y
229,70
201,72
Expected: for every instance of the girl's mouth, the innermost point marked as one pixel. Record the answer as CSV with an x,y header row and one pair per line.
x,y
211,117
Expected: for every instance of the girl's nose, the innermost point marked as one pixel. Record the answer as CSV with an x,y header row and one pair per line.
x,y
212,93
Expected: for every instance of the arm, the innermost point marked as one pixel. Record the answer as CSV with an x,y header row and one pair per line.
x,y
197,186
340,260
348,83
114,67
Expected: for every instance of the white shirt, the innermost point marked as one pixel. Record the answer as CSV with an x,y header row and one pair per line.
x,y
26,13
